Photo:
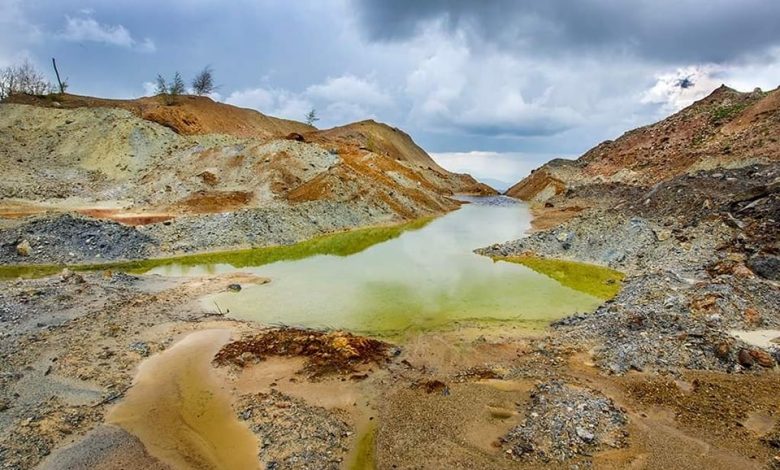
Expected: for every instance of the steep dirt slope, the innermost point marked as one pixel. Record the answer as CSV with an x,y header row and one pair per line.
x,y
381,139
727,129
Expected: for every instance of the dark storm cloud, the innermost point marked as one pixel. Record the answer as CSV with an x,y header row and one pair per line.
x,y
662,30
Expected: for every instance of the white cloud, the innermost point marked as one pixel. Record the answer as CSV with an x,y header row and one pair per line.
x,y
682,87
338,100
349,89
150,88
274,102
19,33
492,93
678,89
497,168
86,29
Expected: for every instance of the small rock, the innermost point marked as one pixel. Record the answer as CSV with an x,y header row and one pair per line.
x,y
740,270
745,359
762,358
565,237
766,266
585,435
71,277
234,287
296,137
247,358
752,317
663,235
23,248
722,350
141,348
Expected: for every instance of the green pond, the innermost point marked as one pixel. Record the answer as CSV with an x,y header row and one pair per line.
x,y
389,280
415,277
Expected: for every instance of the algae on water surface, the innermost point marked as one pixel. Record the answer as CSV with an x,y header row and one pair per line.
x,y
591,279
426,279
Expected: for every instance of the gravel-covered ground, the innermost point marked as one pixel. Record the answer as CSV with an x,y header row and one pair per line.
x,y
77,239
293,434
66,238
701,252
563,421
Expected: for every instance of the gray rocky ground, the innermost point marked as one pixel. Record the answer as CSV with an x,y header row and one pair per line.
x,y
76,239
563,421
688,245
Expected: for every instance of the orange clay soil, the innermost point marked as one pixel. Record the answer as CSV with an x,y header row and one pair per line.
x,y
189,115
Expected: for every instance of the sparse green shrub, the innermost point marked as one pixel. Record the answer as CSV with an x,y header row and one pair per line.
x,y
169,91
726,112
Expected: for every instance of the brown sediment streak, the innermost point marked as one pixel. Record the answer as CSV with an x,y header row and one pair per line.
x,y
179,411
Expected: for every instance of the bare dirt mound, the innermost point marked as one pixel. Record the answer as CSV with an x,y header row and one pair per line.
x,y
727,129
381,139
198,156
189,115
146,162
396,146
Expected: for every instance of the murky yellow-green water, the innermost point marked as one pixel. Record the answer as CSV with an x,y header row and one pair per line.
x,y
387,280
424,278
336,244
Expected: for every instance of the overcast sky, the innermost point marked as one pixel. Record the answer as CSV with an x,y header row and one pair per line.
x,y
490,87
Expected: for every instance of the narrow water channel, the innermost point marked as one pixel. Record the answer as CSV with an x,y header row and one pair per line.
x,y
178,408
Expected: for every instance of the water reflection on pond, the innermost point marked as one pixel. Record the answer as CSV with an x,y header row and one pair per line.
x,y
423,278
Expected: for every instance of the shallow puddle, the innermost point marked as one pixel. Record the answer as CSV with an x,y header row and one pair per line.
x,y
180,411
363,456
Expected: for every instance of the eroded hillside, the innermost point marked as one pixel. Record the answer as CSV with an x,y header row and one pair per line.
x,y
689,209
727,129
141,161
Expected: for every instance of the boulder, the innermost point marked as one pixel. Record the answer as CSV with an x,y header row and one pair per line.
x,y
745,359
762,358
766,266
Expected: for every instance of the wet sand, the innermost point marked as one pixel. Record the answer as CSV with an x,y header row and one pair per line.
x,y
179,409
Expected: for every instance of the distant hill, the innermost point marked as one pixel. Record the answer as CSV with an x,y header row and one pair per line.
x,y
191,115
726,129
496,184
